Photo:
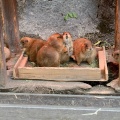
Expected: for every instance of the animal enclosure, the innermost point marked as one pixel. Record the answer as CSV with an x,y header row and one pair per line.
x,y
10,32
20,71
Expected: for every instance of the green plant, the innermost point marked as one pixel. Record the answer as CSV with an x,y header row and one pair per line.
x,y
70,15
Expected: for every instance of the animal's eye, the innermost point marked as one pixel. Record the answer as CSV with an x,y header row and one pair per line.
x,y
22,42
86,45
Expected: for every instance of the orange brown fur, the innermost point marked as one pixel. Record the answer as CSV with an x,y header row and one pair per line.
x,y
83,50
64,57
115,55
55,36
7,53
49,54
32,46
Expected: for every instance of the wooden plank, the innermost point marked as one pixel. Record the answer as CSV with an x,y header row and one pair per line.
x,y
60,73
15,68
101,62
117,32
105,62
3,72
56,73
11,27
23,62
117,25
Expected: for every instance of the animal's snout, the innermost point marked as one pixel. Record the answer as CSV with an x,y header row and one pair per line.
x,y
66,36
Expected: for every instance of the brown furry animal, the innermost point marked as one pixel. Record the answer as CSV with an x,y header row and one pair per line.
x,y
83,50
68,42
31,46
7,53
49,55
64,57
115,55
55,36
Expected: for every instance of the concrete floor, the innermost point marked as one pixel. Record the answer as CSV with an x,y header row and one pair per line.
x,y
17,106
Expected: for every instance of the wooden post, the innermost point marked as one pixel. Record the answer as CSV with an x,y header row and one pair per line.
x,y
117,33
11,27
3,72
119,65
117,25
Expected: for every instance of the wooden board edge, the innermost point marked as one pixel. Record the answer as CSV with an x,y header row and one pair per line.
x,y
103,63
106,68
15,68
20,65
56,74
23,62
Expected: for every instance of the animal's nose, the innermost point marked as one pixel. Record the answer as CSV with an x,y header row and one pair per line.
x,y
90,48
66,36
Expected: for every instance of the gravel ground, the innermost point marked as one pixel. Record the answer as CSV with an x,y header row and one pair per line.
x,y
44,17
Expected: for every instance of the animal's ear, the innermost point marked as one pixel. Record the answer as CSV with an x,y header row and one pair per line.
x,y
60,36
22,42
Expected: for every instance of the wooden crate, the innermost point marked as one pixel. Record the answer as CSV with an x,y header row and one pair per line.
x,y
20,71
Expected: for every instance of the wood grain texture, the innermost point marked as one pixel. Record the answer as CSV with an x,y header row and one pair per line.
x,y
117,24
60,74
11,28
3,72
101,61
15,68
105,61
103,64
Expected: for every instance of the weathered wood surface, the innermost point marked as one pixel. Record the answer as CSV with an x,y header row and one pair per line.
x,y
105,60
101,62
117,31
15,68
119,73
58,73
55,73
11,27
117,24
62,73
3,72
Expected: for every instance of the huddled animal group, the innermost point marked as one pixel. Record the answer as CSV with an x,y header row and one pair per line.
x,y
58,49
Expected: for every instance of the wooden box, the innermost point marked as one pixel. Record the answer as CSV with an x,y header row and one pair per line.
x,y
20,71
